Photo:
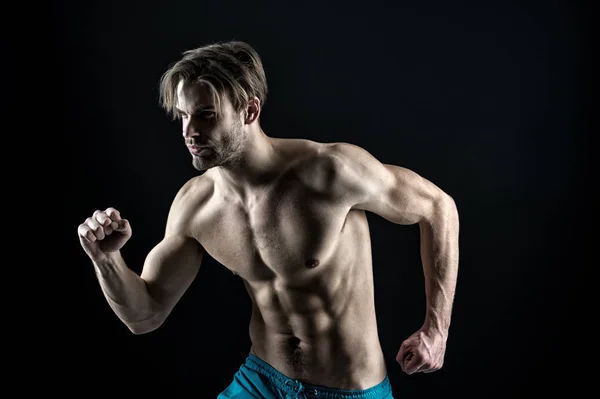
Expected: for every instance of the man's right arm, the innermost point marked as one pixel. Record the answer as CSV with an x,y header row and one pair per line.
x,y
143,302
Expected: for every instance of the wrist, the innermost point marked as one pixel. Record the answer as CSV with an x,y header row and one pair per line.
x,y
433,327
107,263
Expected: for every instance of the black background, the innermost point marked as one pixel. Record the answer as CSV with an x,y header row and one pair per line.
x,y
487,99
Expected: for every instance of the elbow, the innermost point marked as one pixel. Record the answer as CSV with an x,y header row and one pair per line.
x,y
450,212
145,326
443,211
447,200
138,329
447,204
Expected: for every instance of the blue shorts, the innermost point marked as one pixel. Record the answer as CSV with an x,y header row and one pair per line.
x,y
256,379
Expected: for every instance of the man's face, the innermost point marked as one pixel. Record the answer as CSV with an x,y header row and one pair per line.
x,y
212,139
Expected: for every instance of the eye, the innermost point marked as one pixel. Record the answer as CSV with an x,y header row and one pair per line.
x,y
205,115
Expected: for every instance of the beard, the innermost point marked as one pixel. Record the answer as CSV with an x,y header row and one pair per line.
x,y
205,161
224,153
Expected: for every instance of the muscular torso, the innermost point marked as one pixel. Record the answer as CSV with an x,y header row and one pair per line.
x,y
305,259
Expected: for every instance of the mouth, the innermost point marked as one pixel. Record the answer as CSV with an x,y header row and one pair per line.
x,y
197,150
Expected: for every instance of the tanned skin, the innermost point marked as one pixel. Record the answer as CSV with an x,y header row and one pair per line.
x,y
287,216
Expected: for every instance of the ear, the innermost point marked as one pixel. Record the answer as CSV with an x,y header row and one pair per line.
x,y
252,110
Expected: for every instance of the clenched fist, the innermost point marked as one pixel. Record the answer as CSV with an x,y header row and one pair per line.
x,y
103,233
422,352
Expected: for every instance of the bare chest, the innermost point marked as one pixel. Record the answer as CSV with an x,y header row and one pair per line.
x,y
285,230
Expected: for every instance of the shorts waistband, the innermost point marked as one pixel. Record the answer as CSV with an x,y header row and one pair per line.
x,y
286,383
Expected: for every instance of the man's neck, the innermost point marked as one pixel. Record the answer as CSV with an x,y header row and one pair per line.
x,y
256,166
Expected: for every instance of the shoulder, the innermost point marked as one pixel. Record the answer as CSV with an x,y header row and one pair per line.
x,y
349,158
188,201
340,169
194,188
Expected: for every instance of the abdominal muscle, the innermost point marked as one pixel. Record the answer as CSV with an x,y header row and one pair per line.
x,y
316,333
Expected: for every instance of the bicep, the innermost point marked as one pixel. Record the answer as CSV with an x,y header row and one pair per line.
x,y
170,268
408,199
395,193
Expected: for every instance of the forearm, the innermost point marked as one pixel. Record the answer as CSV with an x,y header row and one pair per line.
x,y
127,294
439,255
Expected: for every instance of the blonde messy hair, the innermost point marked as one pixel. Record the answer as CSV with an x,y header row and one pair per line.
x,y
232,69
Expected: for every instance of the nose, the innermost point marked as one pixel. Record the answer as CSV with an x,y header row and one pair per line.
x,y
189,130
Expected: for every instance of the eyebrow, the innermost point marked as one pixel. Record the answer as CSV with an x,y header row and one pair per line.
x,y
196,109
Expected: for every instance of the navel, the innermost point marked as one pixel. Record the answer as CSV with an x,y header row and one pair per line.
x,y
293,343
311,263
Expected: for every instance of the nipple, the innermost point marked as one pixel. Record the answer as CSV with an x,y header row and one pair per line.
x,y
311,263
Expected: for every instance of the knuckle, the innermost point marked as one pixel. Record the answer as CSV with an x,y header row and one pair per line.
x,y
111,209
96,227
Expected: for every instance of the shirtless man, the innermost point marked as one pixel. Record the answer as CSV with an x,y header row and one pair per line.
x,y
288,217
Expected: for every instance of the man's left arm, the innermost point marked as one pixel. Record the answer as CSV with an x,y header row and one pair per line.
x,y
403,197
